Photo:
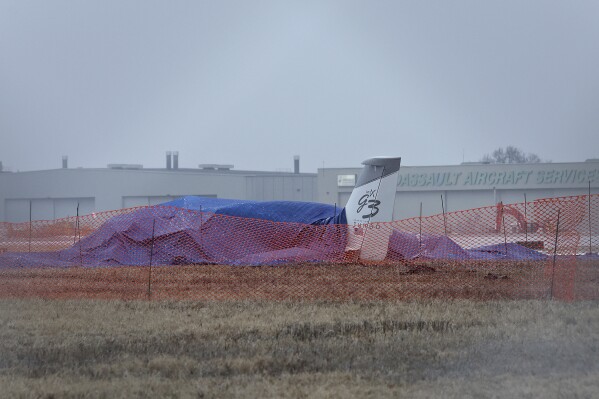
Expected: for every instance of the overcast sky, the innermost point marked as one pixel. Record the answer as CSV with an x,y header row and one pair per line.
x,y
253,83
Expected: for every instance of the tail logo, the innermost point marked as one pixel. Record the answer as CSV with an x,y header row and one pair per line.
x,y
369,200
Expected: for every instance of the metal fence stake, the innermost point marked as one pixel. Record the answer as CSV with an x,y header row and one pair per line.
x,y
525,219
151,258
79,235
590,230
504,233
555,253
30,226
444,219
335,213
420,230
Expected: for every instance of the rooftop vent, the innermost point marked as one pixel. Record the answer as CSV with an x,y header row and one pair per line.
x,y
175,159
214,166
124,166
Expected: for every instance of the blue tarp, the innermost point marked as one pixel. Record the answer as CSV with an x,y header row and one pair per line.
x,y
404,245
509,251
275,211
589,256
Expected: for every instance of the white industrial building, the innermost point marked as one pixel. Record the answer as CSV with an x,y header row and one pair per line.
x,y
56,193
53,194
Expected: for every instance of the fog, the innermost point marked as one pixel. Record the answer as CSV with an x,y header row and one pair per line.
x,y
252,83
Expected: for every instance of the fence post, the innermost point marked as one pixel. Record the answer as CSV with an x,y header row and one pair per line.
x,y
525,219
74,235
444,220
504,233
590,230
79,235
29,225
420,230
151,256
335,213
555,253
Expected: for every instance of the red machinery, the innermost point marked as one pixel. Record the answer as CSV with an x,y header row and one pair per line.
x,y
503,210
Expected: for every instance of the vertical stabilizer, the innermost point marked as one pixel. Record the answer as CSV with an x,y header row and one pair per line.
x,y
370,204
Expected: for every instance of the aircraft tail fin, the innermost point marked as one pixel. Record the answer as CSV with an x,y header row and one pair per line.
x,y
371,203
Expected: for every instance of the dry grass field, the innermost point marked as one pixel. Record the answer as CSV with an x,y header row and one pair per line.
x,y
59,348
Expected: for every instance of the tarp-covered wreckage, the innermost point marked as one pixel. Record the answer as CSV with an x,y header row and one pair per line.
x,y
198,230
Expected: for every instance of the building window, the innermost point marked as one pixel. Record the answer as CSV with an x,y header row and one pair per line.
x,y
346,180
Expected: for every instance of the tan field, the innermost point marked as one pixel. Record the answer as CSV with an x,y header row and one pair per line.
x,y
566,280
458,348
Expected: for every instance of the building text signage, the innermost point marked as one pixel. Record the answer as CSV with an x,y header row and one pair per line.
x,y
503,178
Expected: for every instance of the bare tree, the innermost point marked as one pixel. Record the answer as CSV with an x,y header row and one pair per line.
x,y
510,154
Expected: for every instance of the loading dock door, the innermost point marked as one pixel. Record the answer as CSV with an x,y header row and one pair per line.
x,y
42,209
65,207
17,210
133,201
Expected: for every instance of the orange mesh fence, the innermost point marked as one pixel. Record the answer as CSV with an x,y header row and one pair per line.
x,y
539,250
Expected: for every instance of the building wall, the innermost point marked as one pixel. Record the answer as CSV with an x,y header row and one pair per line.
x,y
299,187
55,193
